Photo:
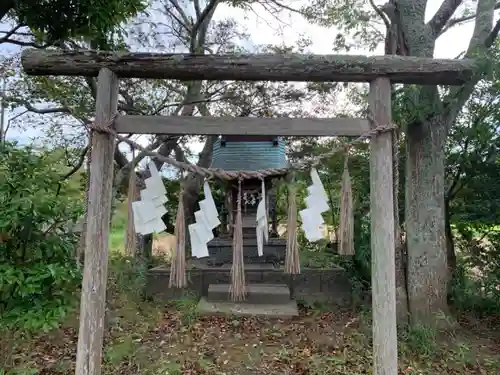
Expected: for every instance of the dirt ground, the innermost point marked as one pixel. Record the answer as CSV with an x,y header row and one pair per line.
x,y
151,339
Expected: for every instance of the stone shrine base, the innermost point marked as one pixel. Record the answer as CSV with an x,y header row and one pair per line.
x,y
330,285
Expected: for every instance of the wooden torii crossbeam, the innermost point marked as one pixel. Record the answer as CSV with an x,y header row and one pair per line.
x,y
289,67
380,71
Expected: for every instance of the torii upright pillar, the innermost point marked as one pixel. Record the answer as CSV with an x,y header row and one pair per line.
x,y
95,273
385,341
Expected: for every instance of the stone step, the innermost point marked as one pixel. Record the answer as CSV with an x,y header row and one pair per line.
x,y
258,294
221,249
227,241
279,311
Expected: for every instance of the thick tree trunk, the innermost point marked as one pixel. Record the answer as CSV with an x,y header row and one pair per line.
x,y
427,273
425,220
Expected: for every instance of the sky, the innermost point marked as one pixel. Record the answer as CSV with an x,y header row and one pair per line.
x,y
262,29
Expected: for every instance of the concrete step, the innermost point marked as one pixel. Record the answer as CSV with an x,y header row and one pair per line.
x,y
280,311
249,232
258,294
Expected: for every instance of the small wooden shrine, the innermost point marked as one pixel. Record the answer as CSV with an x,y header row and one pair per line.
x,y
248,153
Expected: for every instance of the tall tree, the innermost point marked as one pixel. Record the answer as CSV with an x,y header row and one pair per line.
x,y
426,134
189,26
55,20
427,123
472,204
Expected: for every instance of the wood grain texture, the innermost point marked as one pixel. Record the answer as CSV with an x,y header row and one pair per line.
x,y
289,67
93,300
385,353
180,125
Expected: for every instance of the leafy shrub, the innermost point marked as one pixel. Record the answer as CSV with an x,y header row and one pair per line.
x,y
62,18
38,273
476,283
324,254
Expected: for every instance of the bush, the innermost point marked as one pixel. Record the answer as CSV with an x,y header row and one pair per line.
x,y
38,273
476,282
324,254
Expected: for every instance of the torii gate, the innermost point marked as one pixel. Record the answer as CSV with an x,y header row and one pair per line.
x,y
380,71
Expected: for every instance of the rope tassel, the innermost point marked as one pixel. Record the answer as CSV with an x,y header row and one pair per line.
x,y
237,290
292,262
346,225
178,267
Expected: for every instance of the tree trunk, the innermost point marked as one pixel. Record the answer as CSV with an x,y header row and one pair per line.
x,y
401,282
400,260
450,244
425,220
143,251
427,273
194,182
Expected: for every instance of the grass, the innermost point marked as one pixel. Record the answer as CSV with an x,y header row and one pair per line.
x,y
146,337
118,227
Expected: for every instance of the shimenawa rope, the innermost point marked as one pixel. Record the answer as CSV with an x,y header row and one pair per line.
x,y
230,175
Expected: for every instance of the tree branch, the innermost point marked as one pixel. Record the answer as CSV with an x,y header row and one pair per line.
x,y
381,14
492,35
197,8
75,169
78,165
8,34
44,111
293,10
198,33
443,15
185,20
483,33
456,21
25,44
198,40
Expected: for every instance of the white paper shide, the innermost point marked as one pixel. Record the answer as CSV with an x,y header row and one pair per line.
x,y
316,203
207,219
262,222
149,210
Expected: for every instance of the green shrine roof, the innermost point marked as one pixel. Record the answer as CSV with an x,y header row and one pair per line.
x,y
249,156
